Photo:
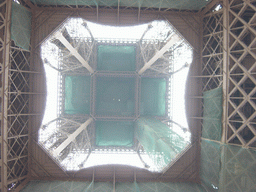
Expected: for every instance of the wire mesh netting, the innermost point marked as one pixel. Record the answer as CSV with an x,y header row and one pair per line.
x,y
153,95
20,26
72,186
77,94
238,170
159,141
115,96
212,126
210,164
227,167
116,58
114,133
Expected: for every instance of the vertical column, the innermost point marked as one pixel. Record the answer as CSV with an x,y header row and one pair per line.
x,y
31,97
5,95
225,68
137,96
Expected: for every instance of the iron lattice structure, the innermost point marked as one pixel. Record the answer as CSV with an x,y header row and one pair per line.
x,y
73,62
229,61
15,111
21,157
241,70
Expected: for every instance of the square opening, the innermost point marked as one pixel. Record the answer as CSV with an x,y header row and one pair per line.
x,y
115,96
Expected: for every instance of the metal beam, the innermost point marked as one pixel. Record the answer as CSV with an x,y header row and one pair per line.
x,y
72,137
209,6
173,39
5,88
73,51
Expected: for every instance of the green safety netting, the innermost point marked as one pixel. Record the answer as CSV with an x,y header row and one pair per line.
x,y
174,4
227,167
20,26
238,169
170,187
114,133
153,94
116,58
74,186
115,96
210,164
212,125
159,141
77,94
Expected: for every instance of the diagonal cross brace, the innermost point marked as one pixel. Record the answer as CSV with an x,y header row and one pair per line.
x,y
72,137
73,51
173,39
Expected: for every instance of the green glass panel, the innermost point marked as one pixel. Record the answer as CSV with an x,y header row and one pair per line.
x,y
153,94
114,133
212,125
77,94
116,58
115,96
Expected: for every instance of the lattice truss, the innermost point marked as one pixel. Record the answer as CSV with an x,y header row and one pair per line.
x,y
240,71
3,159
15,69
212,51
242,77
148,50
73,59
69,136
18,113
158,46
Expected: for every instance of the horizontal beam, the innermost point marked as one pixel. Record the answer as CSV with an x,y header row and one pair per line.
x,y
72,137
173,39
73,51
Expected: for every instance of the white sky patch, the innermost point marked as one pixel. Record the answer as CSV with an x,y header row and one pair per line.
x,y
181,57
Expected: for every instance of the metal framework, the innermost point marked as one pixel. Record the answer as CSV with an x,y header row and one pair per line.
x,y
212,51
118,7
79,53
15,111
229,60
73,133
159,53
19,148
241,77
